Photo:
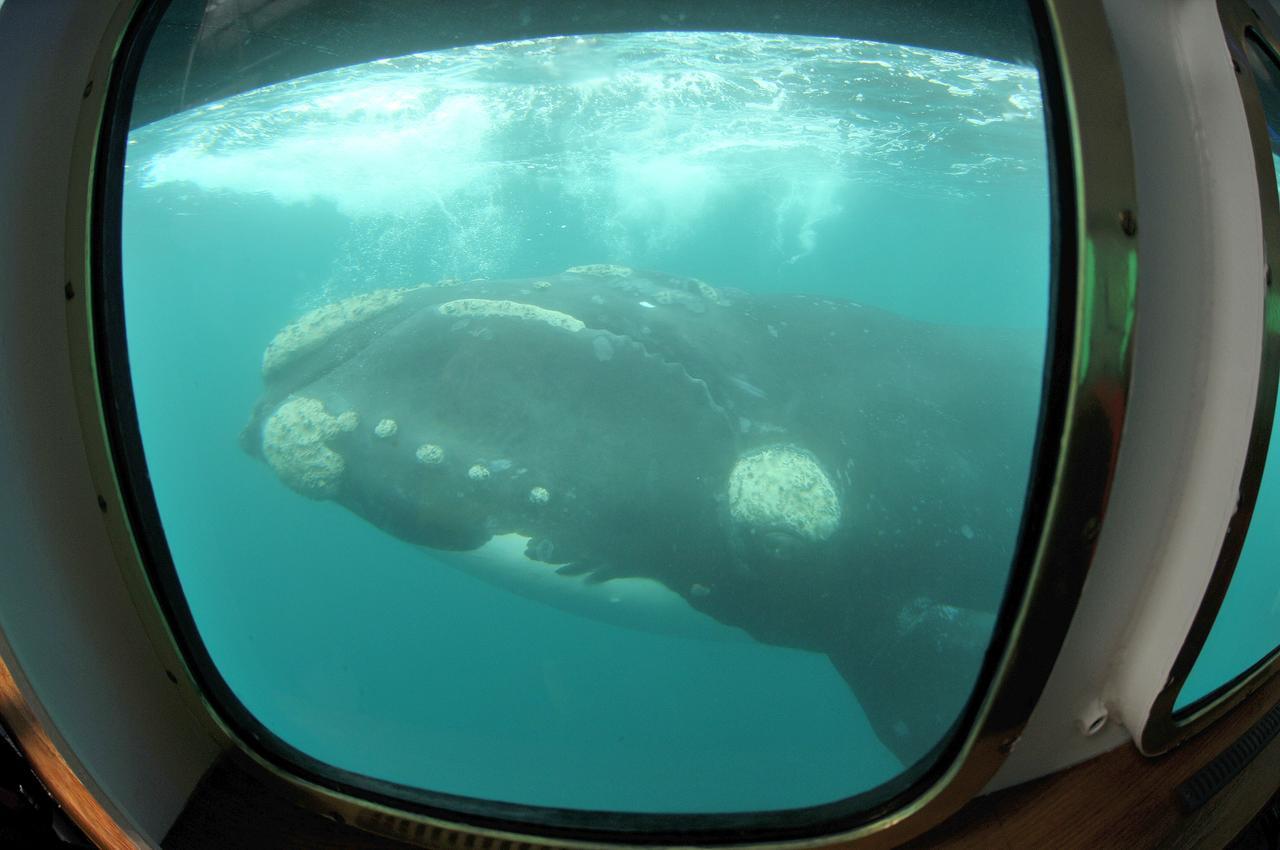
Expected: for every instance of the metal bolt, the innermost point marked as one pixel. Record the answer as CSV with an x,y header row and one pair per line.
x,y
69,291
1128,223
88,88
1094,717
102,504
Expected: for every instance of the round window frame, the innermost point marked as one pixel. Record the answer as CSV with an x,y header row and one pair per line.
x,y
1087,380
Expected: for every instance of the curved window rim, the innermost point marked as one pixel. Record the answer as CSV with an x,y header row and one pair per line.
x,y
1083,417
1166,726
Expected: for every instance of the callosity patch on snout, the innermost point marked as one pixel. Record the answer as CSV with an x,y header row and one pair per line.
x,y
295,444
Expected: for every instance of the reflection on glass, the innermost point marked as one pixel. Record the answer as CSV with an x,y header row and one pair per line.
x,y
633,420
1247,627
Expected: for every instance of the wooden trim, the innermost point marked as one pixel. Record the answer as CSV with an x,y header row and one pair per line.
x,y
1121,799
53,771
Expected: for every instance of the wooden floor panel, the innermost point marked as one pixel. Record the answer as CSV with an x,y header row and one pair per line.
x,y
1122,799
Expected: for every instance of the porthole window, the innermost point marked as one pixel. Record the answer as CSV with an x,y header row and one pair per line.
x,y
1246,630
608,411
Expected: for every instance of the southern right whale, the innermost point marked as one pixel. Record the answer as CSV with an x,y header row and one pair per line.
x,y
819,474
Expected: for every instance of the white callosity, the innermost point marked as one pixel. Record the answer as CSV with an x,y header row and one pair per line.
x,y
478,472
385,428
429,454
314,328
294,444
707,291
784,487
539,495
601,270
486,308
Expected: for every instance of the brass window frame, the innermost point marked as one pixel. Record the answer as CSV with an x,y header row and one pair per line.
x,y
1087,383
1166,727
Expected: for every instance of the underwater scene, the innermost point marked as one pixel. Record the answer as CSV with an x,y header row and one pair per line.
x,y
635,422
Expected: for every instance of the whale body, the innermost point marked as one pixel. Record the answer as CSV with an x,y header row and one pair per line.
x,y
653,451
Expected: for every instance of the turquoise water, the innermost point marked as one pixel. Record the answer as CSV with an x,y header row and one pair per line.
x,y
905,179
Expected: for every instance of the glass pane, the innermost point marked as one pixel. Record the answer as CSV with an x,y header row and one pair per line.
x,y
1247,627
636,418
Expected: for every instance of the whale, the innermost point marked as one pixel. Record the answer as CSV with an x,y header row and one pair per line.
x,y
654,451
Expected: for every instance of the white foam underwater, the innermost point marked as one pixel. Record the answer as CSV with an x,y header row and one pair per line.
x,y
655,124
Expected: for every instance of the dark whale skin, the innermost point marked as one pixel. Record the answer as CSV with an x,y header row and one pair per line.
x,y
627,398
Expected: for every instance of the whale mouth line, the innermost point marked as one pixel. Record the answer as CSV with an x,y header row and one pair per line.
x,y
630,602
